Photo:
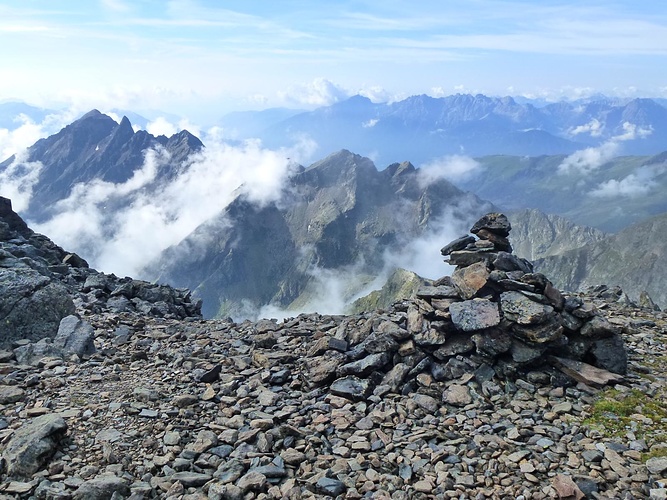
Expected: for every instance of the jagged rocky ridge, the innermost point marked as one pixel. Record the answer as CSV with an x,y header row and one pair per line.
x,y
422,127
95,147
338,214
40,284
165,408
631,259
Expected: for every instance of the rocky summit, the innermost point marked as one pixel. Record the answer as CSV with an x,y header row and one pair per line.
x,y
461,392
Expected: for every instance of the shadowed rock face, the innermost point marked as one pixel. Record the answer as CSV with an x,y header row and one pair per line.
x,y
536,235
40,284
95,147
32,302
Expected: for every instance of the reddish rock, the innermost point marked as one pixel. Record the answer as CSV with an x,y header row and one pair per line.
x,y
471,279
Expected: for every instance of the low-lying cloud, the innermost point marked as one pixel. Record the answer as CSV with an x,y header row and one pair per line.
x,y
638,183
585,161
593,128
18,179
154,214
453,168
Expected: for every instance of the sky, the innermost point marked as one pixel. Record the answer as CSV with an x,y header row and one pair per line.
x,y
201,59
187,63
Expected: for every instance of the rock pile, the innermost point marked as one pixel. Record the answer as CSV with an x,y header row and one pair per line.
x,y
405,403
40,284
213,409
492,318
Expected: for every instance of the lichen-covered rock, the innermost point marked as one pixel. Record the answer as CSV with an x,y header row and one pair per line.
x,y
520,309
475,314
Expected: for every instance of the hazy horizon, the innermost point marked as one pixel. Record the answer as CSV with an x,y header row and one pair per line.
x,y
200,61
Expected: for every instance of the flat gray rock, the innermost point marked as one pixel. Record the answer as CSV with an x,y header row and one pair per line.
x,y
33,444
476,314
102,488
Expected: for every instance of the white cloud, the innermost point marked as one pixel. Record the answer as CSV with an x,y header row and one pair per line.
x,y
453,168
17,181
377,94
421,255
594,128
159,214
319,92
587,160
27,132
632,132
332,291
370,123
633,185
162,126
437,92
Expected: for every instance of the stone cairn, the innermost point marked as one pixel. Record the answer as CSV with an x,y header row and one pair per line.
x,y
493,318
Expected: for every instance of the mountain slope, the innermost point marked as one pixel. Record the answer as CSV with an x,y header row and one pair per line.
x,y
536,235
608,193
337,219
632,259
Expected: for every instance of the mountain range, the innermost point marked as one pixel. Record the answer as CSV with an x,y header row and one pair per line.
x,y
422,128
340,227
630,259
95,147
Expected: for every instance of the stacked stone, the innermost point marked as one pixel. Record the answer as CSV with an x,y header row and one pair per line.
x,y
494,317
507,305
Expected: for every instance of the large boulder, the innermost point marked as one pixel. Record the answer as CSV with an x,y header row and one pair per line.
x,y
75,336
33,444
31,304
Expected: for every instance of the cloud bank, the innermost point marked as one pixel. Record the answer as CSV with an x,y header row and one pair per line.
x,y
633,185
585,161
453,168
121,227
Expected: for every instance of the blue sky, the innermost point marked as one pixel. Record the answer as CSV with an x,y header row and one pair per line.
x,y
203,58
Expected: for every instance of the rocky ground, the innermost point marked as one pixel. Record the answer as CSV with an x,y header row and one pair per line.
x,y
452,394
212,409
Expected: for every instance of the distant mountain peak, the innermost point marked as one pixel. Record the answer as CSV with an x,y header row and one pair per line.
x,y
93,113
125,122
399,169
95,147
